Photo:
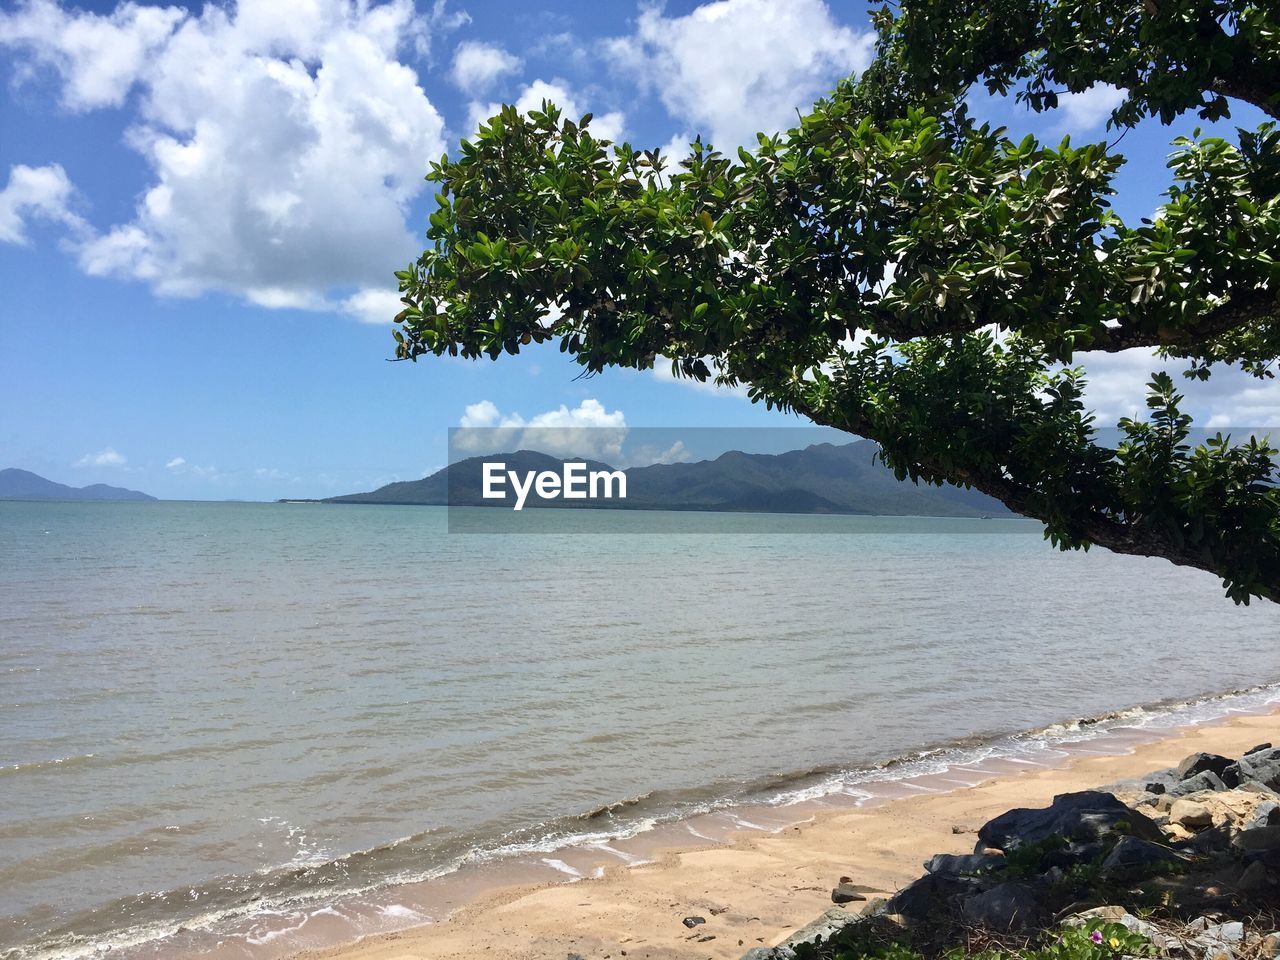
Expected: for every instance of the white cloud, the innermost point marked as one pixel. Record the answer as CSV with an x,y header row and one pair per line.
x,y
285,142
373,305
1082,112
648,454
35,192
107,457
477,66
662,371
733,67
276,475
98,57
608,126
1117,387
176,464
587,430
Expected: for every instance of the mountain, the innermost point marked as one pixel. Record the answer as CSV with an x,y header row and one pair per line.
x,y
823,478
24,485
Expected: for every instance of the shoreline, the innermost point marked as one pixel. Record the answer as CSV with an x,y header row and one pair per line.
x,y
478,897
754,873
759,887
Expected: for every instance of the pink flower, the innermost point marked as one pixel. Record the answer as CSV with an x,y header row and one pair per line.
x,y
1096,936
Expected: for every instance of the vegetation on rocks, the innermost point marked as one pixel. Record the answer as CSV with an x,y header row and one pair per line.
x,y
1096,875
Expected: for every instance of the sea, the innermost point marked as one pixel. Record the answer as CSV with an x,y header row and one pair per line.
x,y
232,729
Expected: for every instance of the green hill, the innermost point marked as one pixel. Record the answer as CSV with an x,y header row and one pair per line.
x,y
823,478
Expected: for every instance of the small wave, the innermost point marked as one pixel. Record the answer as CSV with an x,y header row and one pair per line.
x,y
291,886
618,806
33,765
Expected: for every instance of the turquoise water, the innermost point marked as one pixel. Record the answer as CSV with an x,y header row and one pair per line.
x,y
203,704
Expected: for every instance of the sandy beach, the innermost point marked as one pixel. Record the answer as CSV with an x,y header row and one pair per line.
x,y
758,889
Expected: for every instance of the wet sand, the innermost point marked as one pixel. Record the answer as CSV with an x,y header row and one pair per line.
x,y
766,875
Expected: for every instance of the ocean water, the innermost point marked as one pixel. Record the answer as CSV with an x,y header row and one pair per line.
x,y
215,711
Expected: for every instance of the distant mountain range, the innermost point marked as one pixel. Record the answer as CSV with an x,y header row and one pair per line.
x,y
823,478
18,484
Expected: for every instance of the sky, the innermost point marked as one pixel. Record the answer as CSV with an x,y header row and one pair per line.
x,y
202,206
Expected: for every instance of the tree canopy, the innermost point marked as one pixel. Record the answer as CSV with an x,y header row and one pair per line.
x,y
894,267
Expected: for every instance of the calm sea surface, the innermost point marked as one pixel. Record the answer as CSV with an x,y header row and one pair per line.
x,y
204,706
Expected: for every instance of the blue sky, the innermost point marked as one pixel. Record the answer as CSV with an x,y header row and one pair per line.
x,y
201,207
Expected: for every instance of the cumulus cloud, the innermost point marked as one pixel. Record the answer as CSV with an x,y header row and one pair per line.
x,y
1117,387
662,371
107,457
1082,112
608,126
98,57
285,144
372,305
177,463
733,67
35,193
477,66
587,430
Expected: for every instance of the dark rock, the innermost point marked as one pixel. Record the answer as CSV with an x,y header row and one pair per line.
x,y
932,893
1262,767
692,922
1255,877
963,863
1132,855
1155,786
825,927
1265,814
1207,842
1009,906
846,893
1258,749
1205,780
1200,762
1261,788
1256,841
1085,816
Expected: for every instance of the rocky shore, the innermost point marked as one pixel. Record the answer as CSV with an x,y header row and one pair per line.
x,y
1182,863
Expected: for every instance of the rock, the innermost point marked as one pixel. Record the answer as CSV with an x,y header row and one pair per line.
x,y
1008,906
1205,780
1260,788
1156,787
932,893
1258,749
823,928
1271,944
845,893
1221,934
964,863
1190,814
1200,762
1261,767
1258,840
1214,840
1133,855
874,907
692,922
1265,814
1254,878
1088,815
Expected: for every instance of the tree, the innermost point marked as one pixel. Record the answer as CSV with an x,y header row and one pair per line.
x,y
894,268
